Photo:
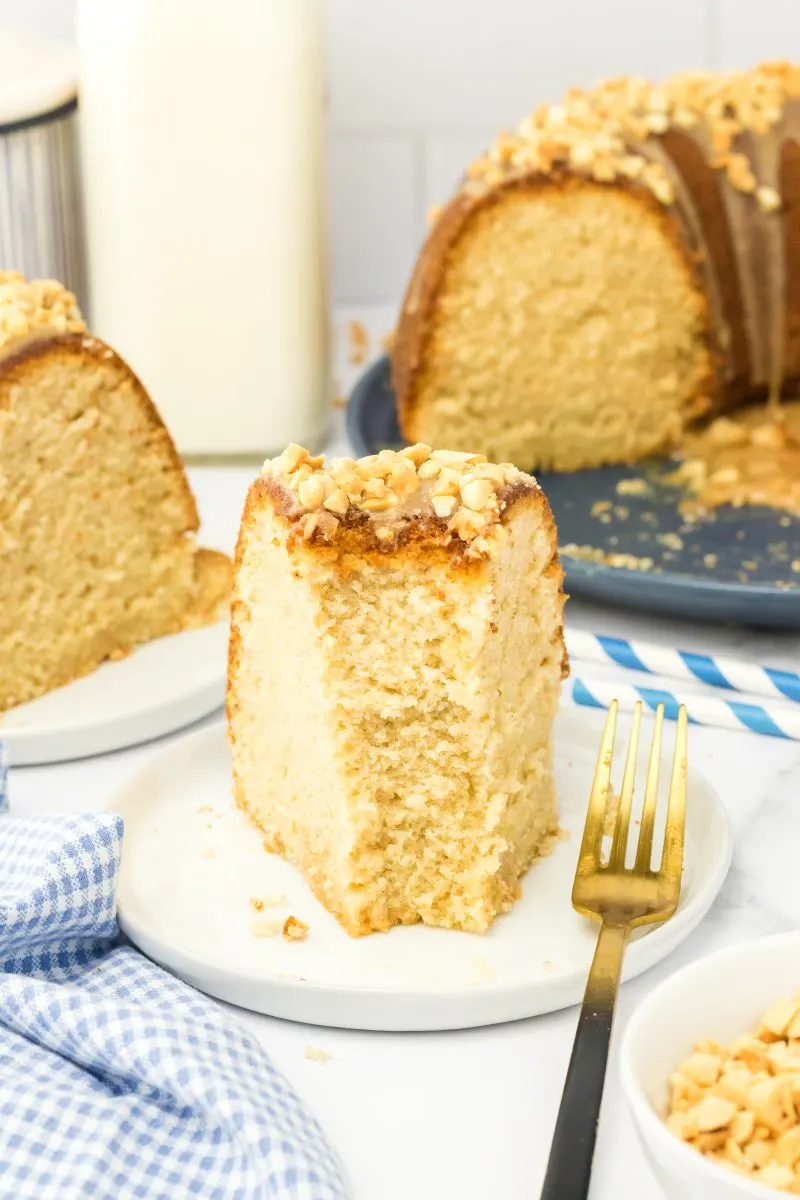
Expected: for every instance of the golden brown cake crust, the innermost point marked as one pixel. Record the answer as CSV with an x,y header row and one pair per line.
x,y
82,349
450,504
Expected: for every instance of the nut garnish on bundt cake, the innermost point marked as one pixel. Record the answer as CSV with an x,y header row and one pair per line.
x,y
395,664
625,262
97,521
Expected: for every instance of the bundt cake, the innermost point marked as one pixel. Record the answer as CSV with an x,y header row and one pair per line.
x,y
626,262
97,520
395,663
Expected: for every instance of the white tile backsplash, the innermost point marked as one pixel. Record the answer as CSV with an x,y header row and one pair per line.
x,y
454,64
376,216
446,156
418,87
451,72
745,32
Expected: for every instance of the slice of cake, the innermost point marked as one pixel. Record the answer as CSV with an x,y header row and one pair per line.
x,y
395,664
97,521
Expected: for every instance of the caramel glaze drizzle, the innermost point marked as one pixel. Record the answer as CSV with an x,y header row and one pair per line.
x,y
758,244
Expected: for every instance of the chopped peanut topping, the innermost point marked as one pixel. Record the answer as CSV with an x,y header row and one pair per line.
x,y
611,130
41,305
463,490
740,1104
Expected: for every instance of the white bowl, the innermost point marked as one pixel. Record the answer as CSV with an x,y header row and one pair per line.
x,y
718,997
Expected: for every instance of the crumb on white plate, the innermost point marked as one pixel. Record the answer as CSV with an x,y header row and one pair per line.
x,y
315,1054
259,903
295,930
207,852
265,929
483,969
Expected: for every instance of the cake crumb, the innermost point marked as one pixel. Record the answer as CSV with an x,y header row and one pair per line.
x,y
205,808
316,1054
265,929
595,554
339,398
630,561
207,852
295,930
359,342
548,966
599,507
257,903
710,560
671,540
483,970
632,487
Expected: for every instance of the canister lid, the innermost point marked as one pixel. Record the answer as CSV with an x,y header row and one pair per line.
x,y
36,78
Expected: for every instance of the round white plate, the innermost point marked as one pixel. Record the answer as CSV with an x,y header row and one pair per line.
x,y
192,865
160,687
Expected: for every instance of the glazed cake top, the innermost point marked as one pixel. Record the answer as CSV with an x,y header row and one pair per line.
x,y
447,497
608,130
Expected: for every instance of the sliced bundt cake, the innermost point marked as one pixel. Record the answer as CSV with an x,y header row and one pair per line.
x,y
97,521
627,261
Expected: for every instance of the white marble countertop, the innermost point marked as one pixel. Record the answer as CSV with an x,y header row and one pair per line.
x,y
470,1114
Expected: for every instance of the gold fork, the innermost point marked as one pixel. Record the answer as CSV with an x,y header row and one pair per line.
x,y
621,898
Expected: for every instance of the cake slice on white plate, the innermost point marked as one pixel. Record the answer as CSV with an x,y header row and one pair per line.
x,y
97,519
395,664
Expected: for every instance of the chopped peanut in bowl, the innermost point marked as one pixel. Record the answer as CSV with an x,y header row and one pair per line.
x,y
740,1104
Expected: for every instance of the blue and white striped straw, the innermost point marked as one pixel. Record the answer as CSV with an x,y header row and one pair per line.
x,y
774,720
731,674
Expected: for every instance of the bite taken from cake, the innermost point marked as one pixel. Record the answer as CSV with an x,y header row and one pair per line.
x,y
395,664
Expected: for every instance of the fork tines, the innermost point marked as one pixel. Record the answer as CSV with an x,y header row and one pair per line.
x,y
600,812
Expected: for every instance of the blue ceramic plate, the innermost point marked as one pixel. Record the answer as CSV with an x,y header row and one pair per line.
x,y
735,568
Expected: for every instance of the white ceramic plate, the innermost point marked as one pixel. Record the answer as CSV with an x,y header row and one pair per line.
x,y
192,864
160,687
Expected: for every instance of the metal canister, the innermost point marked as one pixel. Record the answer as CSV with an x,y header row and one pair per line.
x,y
41,229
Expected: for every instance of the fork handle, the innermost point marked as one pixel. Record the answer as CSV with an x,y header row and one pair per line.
x,y
569,1168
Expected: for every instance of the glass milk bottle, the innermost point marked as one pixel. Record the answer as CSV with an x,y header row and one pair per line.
x,y
201,152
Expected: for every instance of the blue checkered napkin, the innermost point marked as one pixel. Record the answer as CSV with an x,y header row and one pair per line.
x,y
116,1080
